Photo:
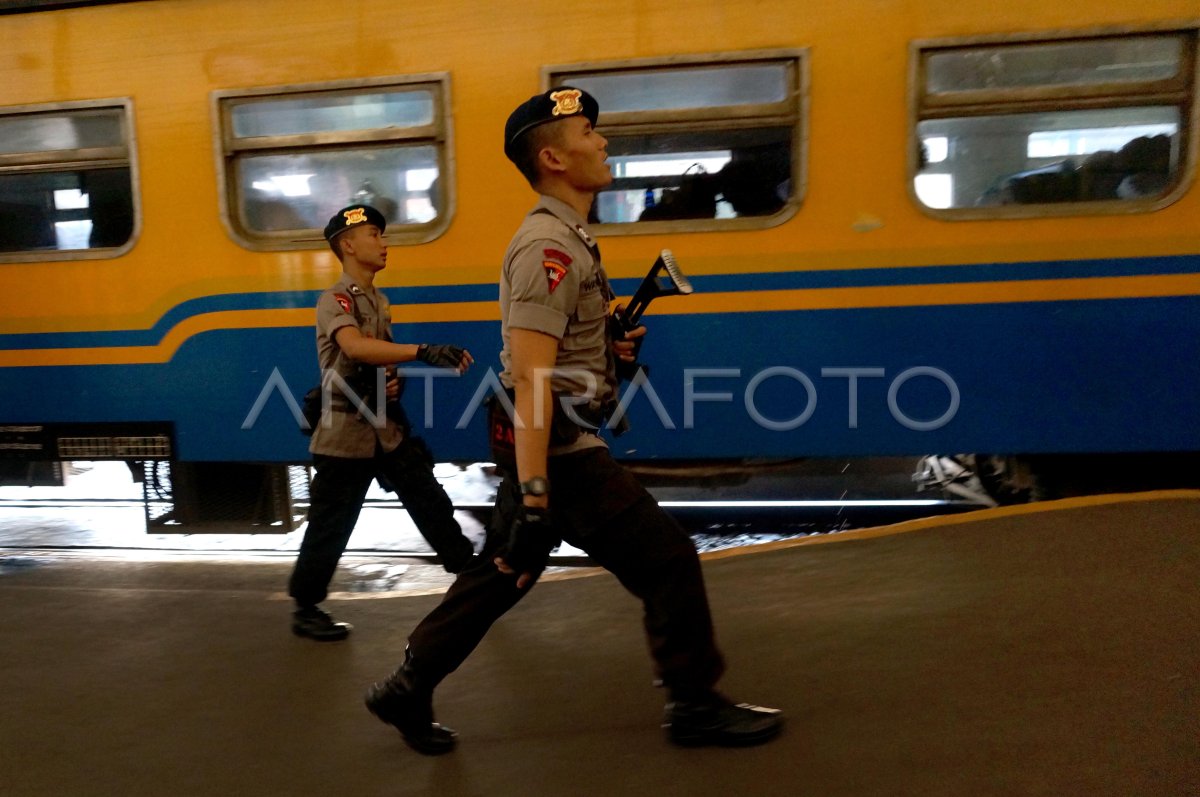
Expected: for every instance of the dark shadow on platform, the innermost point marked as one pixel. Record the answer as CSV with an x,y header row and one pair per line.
x,y
1047,650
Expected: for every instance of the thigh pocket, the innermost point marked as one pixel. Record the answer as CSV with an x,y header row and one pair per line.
x,y
588,489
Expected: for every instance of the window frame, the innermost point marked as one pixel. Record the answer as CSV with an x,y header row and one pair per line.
x,y
791,112
228,148
79,158
1097,96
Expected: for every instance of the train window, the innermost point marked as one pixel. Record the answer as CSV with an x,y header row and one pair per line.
x,y
698,143
1072,63
290,157
1096,124
699,87
66,181
412,108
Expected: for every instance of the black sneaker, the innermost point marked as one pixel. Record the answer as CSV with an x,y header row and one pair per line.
x,y
315,624
717,721
410,711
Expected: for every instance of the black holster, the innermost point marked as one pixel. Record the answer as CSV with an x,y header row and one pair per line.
x,y
502,435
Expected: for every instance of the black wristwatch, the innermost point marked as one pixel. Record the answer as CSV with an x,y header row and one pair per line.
x,y
535,486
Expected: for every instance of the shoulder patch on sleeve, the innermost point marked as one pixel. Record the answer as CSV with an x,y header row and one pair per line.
x,y
554,273
557,254
344,302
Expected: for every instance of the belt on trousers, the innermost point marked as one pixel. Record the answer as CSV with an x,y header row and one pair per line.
x,y
393,409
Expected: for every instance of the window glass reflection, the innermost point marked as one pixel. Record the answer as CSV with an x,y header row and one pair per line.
x,y
49,132
300,191
692,87
697,175
1077,63
70,210
1072,156
332,113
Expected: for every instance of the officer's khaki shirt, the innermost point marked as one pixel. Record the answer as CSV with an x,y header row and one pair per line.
x,y
350,433
552,282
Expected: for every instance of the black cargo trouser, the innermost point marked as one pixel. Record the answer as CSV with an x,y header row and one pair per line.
x,y
599,507
336,498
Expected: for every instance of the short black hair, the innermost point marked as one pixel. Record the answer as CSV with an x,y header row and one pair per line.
x,y
336,247
527,147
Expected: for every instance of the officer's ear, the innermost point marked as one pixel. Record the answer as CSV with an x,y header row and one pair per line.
x,y
549,161
546,140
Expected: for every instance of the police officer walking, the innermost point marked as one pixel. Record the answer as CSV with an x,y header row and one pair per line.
x,y
559,478
351,445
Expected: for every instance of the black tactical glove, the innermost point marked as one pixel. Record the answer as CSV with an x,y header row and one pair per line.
x,y
443,355
626,370
530,541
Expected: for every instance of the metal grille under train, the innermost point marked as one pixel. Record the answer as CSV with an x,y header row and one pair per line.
x,y
86,442
224,497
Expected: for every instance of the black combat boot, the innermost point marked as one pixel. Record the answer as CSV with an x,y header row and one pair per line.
x,y
406,703
713,719
311,622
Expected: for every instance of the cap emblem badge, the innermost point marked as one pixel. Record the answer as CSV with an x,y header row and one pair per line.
x,y
355,216
567,102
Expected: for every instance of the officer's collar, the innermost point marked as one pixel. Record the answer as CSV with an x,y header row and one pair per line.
x,y
567,215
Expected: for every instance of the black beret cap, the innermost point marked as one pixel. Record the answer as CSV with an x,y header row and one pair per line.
x,y
557,103
352,216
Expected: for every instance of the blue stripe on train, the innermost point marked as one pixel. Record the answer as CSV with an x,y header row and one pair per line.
x,y
1108,375
790,280
942,275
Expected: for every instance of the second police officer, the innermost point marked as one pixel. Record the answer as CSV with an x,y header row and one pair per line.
x,y
351,445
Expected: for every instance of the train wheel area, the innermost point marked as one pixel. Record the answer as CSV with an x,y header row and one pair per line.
x,y
1040,649
106,507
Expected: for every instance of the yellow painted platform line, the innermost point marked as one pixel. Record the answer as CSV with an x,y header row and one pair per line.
x,y
941,521
904,527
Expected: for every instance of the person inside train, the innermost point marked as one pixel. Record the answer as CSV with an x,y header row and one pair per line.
x,y
1140,168
755,182
560,481
1099,175
1146,161
368,195
694,198
351,445
271,214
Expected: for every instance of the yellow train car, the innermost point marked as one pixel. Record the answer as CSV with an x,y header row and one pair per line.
x,y
944,226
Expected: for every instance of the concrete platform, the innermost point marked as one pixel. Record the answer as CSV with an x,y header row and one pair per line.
x,y
1049,649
